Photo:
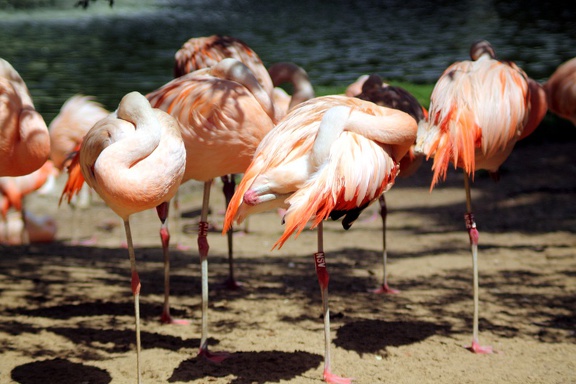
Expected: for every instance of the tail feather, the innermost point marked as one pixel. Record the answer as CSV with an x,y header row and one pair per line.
x,y
75,180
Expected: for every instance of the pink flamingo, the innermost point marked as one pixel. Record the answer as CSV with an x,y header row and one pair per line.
x,y
375,90
135,160
14,189
67,130
204,52
478,110
561,91
223,113
331,156
24,139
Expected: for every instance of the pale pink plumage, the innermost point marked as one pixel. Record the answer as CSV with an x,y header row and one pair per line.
x,y
24,139
329,157
561,91
14,189
223,113
478,110
134,159
77,115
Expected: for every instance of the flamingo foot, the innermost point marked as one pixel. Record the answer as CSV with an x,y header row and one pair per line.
x,y
477,348
232,284
331,378
215,357
182,247
167,319
385,289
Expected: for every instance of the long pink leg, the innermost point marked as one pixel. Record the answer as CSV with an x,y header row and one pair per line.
x,y
384,288
473,234
135,282
228,189
203,248
323,279
166,318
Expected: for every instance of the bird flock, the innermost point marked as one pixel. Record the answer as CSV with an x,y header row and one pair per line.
x,y
312,158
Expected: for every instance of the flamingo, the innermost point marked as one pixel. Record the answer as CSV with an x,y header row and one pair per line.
x,y
77,115
478,110
24,139
224,113
375,90
331,156
561,91
135,160
204,52
14,189
40,229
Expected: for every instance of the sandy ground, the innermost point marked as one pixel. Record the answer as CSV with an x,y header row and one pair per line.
x,y
66,312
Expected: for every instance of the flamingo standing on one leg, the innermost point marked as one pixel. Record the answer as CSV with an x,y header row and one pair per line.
x,y
478,110
224,113
205,52
134,159
330,157
561,91
24,139
77,115
375,90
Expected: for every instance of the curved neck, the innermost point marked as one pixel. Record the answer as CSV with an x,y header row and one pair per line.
x,y
235,70
286,72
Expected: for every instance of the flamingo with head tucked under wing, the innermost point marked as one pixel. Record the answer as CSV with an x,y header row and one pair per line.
x,y
479,109
135,160
330,157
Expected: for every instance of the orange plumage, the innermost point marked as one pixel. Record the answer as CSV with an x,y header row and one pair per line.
x,y
478,110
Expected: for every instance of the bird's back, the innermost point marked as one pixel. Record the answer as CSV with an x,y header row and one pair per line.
x,y
221,121
375,90
478,110
205,52
359,169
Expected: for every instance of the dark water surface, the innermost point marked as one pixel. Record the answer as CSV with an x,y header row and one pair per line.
x,y
60,50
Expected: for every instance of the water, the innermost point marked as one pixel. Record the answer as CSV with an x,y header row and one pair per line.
x,y
60,50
